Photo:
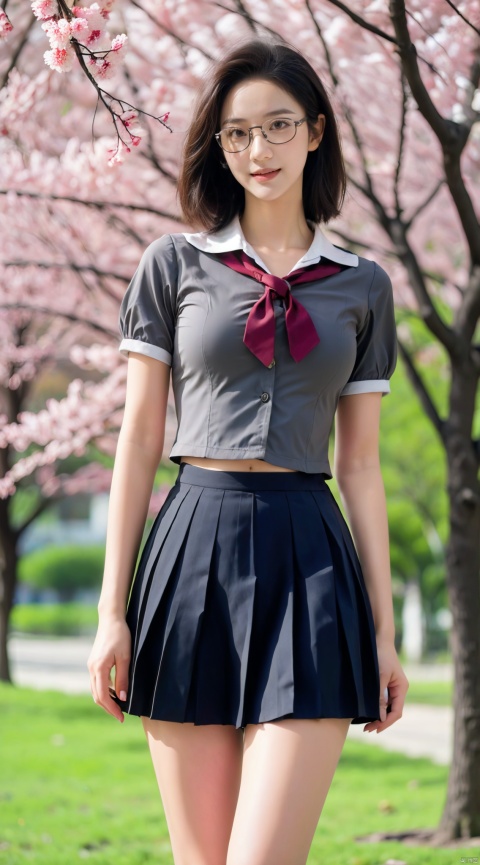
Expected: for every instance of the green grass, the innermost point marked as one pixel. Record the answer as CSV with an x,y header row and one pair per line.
x,y
432,693
75,784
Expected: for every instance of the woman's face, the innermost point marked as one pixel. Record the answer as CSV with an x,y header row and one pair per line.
x,y
253,102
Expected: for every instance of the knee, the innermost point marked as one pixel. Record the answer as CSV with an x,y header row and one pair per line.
x,y
247,860
198,859
248,857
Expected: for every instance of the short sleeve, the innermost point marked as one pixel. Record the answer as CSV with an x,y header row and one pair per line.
x,y
376,341
148,309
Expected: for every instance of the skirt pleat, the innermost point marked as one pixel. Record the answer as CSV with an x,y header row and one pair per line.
x,y
249,605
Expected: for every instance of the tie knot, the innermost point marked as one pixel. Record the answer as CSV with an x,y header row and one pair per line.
x,y
280,286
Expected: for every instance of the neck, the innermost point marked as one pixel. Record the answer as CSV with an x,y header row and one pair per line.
x,y
274,227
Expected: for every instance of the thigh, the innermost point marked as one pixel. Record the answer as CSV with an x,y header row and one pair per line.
x,y
198,770
288,766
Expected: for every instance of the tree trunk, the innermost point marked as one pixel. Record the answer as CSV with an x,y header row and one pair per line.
x,y
8,544
461,816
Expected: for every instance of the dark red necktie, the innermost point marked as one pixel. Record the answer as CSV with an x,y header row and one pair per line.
x,y
259,335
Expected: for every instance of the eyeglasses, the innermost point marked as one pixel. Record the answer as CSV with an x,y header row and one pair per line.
x,y
279,131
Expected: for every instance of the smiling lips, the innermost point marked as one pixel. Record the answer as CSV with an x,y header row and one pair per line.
x,y
263,175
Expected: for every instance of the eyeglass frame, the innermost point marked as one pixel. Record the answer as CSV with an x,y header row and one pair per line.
x,y
217,135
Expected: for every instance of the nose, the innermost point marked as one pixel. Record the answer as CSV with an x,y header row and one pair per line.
x,y
259,143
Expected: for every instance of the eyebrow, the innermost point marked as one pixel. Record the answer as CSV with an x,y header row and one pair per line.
x,y
268,114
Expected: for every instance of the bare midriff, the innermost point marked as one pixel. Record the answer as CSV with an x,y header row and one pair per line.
x,y
234,465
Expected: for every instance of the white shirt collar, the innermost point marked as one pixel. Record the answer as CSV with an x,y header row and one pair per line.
x,y
231,237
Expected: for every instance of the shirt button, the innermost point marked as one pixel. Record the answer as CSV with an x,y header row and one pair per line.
x,y
265,397
271,364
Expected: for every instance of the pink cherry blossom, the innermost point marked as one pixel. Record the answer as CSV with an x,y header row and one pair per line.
x,y
131,123
119,42
6,26
78,26
118,154
58,32
95,35
44,9
60,59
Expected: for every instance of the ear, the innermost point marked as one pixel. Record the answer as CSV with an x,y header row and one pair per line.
x,y
316,137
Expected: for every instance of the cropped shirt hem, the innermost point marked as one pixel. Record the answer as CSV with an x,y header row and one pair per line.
x,y
306,465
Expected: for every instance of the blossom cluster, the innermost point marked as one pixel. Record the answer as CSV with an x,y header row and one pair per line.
x,y
63,428
87,26
129,120
6,26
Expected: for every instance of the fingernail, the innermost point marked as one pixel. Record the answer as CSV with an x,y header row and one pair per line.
x,y
123,695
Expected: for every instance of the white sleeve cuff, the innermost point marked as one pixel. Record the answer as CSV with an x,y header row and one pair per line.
x,y
146,348
372,385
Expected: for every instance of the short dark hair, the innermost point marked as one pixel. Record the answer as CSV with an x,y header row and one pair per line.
x,y
211,196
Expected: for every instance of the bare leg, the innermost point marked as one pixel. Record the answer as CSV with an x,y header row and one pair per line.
x,y
198,770
288,767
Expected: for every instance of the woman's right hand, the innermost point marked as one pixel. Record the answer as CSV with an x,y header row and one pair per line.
x,y
112,647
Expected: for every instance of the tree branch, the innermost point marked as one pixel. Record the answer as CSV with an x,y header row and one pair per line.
x,y
245,13
58,313
401,142
42,506
69,265
422,392
174,36
424,204
467,315
452,136
460,15
251,21
376,30
362,21
18,50
141,208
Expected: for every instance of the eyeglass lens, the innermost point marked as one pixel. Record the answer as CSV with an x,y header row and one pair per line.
x,y
235,138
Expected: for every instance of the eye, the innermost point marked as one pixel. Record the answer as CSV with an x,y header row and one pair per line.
x,y
234,132
285,123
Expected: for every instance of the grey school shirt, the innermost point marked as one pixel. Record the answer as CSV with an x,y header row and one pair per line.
x,y
187,309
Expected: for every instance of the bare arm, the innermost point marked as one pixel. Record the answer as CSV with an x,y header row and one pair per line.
x,y
360,482
359,478
139,450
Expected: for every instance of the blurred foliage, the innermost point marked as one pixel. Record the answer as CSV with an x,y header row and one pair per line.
x,y
415,466
66,569
62,620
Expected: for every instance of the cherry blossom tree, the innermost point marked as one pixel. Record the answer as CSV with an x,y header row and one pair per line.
x,y
80,208
76,228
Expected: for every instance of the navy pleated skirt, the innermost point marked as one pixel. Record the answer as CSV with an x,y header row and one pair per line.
x,y
249,605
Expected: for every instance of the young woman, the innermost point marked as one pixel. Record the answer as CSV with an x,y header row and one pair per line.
x,y
252,636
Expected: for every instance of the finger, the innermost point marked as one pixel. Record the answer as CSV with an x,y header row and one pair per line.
x,y
391,718
121,678
384,698
104,699
393,715
93,686
384,701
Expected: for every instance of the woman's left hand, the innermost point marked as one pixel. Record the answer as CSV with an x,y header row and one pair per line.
x,y
393,678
